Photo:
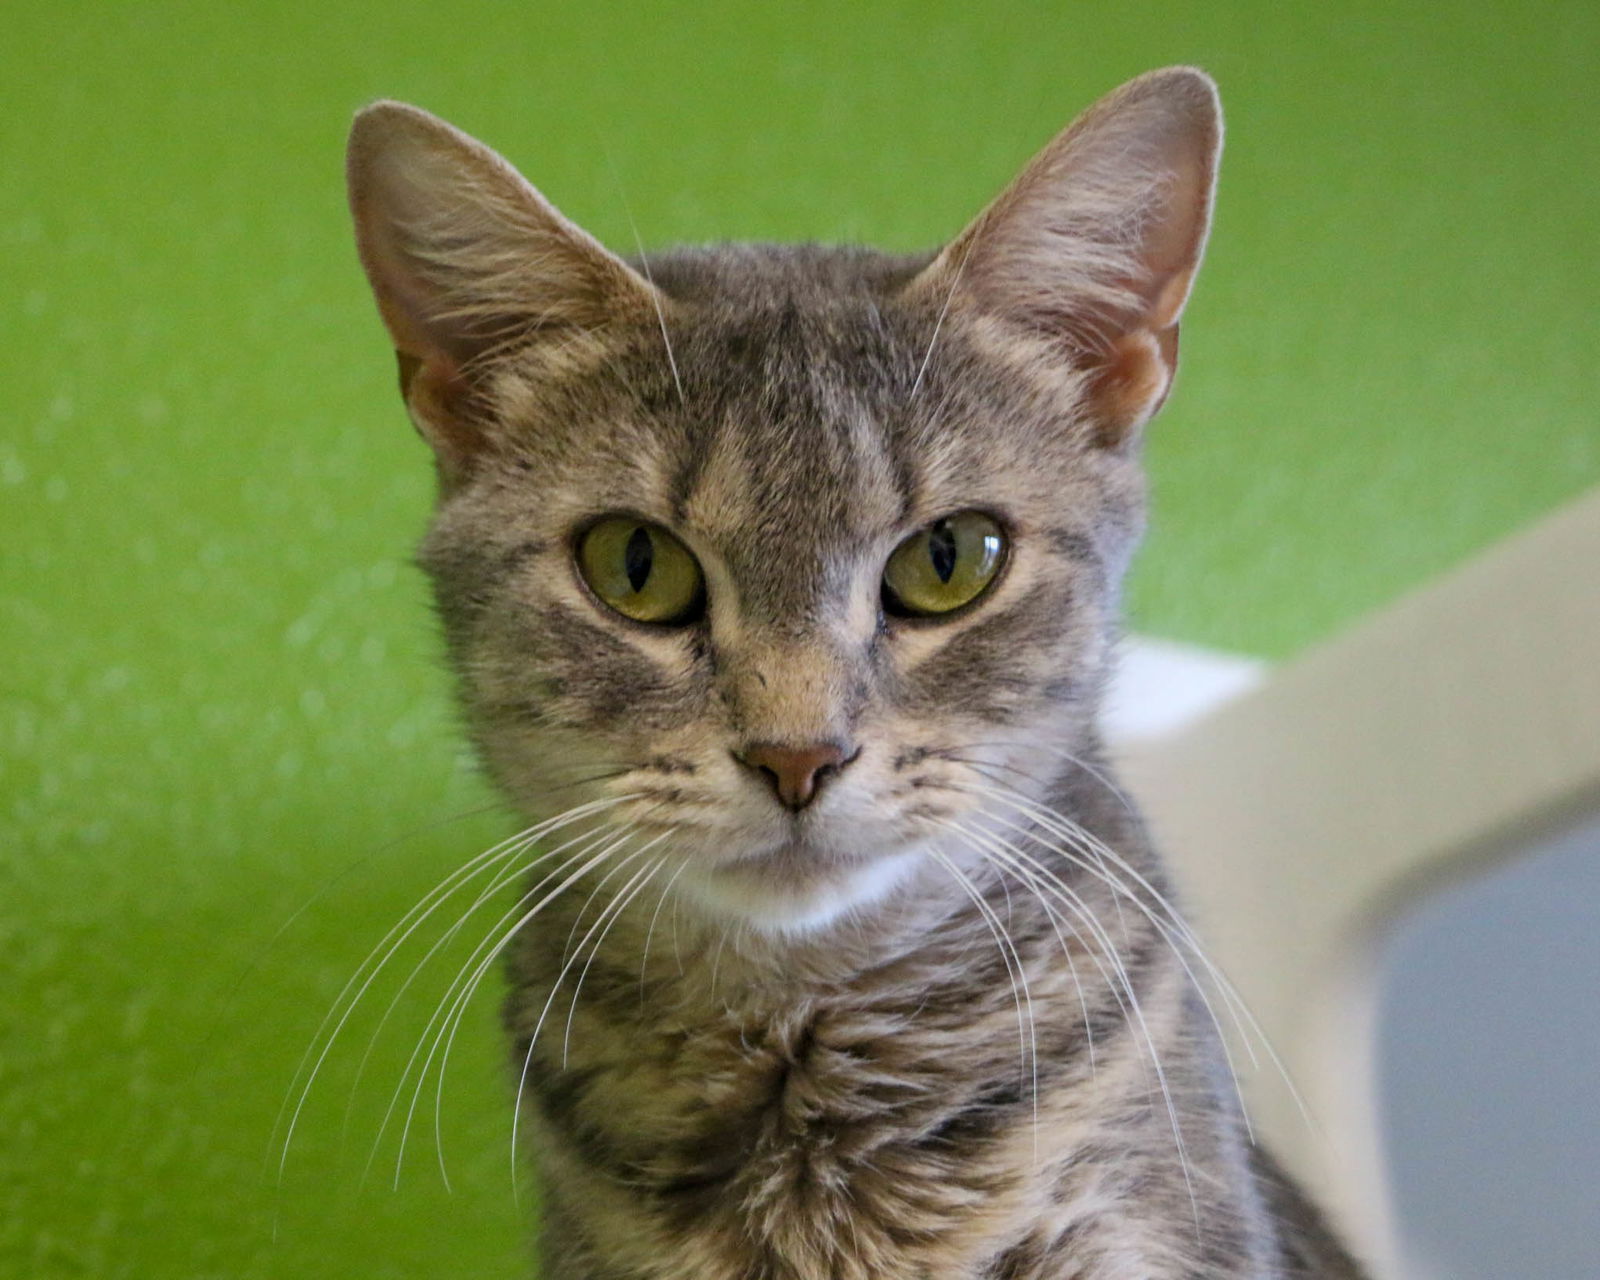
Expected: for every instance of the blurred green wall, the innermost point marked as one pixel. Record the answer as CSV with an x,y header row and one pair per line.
x,y
219,694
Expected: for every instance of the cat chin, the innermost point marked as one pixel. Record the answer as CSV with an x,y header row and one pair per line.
x,y
780,903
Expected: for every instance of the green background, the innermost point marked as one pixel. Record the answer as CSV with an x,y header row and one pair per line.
x,y
227,760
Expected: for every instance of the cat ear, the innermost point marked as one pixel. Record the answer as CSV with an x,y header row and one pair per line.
x,y
467,259
1096,243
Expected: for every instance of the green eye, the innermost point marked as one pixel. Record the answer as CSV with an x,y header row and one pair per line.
x,y
944,566
641,571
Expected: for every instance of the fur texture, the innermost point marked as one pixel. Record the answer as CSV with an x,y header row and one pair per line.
x,y
942,1022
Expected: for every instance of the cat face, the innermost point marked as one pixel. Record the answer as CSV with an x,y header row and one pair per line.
x,y
670,497
796,462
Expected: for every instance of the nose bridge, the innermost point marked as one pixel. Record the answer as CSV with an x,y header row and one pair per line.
x,y
802,688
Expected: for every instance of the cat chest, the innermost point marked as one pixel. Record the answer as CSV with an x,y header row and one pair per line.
x,y
826,1155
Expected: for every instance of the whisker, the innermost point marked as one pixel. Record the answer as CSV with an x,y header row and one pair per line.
x,y
627,895
555,988
577,916
1011,856
608,776
677,954
394,939
1072,968
1028,1045
1177,945
644,963
445,889
587,839
1244,1020
1116,982
1121,890
456,1014
644,262
1098,774
327,886
983,770
440,1016
588,865
938,325
1106,858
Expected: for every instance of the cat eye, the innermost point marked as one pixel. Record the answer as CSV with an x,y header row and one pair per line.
x,y
944,566
641,571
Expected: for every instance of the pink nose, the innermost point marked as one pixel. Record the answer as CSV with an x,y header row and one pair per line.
x,y
795,773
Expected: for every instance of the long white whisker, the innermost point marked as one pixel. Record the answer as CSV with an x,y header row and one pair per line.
x,y
627,895
587,839
440,1016
1249,1028
985,771
1108,858
644,963
1066,952
1103,852
555,988
326,887
592,861
446,1034
1174,944
443,889
1117,981
938,325
1087,844
677,953
1027,1039
644,262
1080,908
577,916
1098,774
407,925
1166,934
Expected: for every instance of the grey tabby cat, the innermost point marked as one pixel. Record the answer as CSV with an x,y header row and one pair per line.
x,y
786,579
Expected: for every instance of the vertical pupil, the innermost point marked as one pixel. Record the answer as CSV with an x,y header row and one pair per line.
x,y
637,558
942,549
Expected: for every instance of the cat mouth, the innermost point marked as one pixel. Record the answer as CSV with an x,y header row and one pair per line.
x,y
803,849
799,858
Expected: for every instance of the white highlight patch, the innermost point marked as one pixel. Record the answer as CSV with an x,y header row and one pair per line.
x,y
1161,686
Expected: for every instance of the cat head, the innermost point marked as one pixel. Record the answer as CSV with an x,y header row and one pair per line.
x,y
790,563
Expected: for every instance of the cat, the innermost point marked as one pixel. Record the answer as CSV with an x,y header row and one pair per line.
x,y
781,585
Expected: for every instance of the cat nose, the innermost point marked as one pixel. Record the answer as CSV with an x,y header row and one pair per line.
x,y
795,773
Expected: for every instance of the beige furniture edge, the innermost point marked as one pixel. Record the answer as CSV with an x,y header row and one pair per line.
x,y
1455,727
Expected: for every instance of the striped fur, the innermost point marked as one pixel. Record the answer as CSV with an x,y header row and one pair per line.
x,y
942,1024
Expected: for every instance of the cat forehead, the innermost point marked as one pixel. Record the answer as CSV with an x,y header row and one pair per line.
x,y
769,277
809,367
790,340
787,393
795,371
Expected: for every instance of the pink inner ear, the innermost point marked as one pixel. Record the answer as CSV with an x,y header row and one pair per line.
x,y
1117,203
438,398
1096,243
1131,383
464,255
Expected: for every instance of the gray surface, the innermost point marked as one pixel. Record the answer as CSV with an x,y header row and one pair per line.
x,y
1489,1070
